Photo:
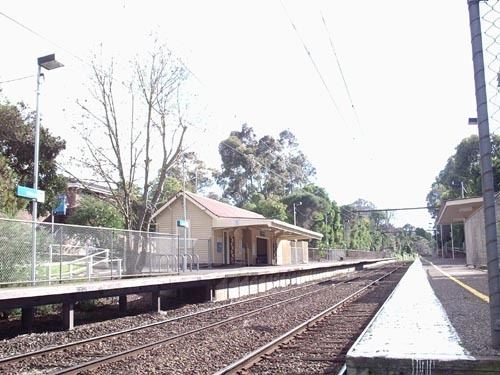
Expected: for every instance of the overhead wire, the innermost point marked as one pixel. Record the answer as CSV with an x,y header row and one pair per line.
x,y
17,79
316,68
19,23
75,56
341,71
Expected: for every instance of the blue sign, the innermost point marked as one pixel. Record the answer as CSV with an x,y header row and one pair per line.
x,y
62,204
183,223
30,193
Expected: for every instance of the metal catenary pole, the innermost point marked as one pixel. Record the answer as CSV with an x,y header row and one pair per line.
x,y
486,171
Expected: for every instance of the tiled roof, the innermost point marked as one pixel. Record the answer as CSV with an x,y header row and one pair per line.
x,y
223,210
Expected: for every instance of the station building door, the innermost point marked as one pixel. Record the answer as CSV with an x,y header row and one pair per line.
x,y
261,250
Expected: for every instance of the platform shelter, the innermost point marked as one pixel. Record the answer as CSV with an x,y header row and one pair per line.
x,y
234,235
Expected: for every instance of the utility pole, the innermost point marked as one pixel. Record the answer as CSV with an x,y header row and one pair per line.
x,y
295,212
486,170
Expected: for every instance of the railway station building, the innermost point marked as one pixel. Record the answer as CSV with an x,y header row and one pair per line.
x,y
468,212
229,235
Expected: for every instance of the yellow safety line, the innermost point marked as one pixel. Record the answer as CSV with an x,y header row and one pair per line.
x,y
477,293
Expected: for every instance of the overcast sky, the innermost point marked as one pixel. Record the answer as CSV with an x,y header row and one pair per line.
x,y
407,65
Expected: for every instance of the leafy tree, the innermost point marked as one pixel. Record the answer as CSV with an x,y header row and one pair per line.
x,y
268,166
360,235
9,203
17,146
423,233
463,168
96,213
197,175
315,211
271,207
369,229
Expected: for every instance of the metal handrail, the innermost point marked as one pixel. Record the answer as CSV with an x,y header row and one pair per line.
x,y
88,260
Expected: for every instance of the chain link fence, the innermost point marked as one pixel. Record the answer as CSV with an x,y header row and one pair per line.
x,y
490,23
65,253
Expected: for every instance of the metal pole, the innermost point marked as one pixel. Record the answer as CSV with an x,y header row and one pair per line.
x,y
437,243
294,215
442,245
184,262
35,177
487,171
452,245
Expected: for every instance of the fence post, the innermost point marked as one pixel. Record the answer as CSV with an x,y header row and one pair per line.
x,y
60,253
486,169
150,252
111,252
49,273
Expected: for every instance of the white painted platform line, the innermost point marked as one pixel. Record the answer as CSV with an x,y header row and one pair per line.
x,y
412,324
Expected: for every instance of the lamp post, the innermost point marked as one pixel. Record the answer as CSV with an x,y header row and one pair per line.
x,y
48,62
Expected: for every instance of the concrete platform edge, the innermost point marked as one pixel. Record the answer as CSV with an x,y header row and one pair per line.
x,y
403,366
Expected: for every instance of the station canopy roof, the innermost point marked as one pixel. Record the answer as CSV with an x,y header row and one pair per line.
x,y
458,210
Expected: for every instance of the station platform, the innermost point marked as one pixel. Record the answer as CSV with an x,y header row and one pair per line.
x,y
435,322
215,284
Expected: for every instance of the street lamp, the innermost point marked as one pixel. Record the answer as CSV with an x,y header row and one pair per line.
x,y
48,62
295,212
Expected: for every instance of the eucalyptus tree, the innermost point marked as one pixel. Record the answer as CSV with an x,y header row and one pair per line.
x,y
266,166
462,173
16,149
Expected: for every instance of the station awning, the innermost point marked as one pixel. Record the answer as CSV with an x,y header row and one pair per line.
x,y
458,210
280,228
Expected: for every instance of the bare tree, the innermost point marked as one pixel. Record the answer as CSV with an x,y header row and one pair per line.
x,y
134,132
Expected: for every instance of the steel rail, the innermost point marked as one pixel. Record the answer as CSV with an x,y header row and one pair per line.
x,y
93,364
19,357
255,356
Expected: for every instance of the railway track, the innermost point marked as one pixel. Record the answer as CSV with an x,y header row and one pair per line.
x,y
94,353
320,344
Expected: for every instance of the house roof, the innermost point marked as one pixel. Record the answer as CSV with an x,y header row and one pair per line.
x,y
213,207
458,210
88,186
223,210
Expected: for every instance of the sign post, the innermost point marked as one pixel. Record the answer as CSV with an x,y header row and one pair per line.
x,y
36,196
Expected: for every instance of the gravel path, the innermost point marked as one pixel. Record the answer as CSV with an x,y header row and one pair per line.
x,y
468,314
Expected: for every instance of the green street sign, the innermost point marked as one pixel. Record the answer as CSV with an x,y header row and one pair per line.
x,y
30,193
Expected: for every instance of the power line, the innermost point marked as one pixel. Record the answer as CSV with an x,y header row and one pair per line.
x,y
19,23
341,71
313,63
17,79
395,209
80,59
